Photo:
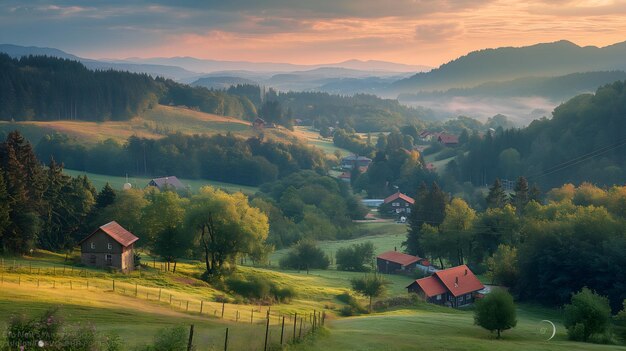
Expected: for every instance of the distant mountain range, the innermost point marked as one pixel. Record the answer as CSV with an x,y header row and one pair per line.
x,y
203,65
507,63
153,70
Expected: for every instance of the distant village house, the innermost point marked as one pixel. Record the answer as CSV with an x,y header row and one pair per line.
x,y
109,246
448,139
167,183
398,203
394,262
361,161
455,287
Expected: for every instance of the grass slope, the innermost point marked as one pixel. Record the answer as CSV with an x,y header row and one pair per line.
x,y
444,329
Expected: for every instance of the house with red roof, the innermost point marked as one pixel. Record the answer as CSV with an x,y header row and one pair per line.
x,y
109,246
455,287
448,139
394,262
397,203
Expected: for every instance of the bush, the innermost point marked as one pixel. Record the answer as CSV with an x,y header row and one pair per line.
x,y
22,331
170,339
253,288
305,255
587,315
353,307
355,257
260,289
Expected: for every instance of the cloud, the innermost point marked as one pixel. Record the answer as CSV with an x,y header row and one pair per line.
x,y
438,31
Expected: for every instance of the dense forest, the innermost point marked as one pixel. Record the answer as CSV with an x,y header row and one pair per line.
x,y
307,205
224,158
584,141
543,251
361,112
46,88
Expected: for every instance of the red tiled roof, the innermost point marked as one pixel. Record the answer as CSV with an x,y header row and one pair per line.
x,y
466,283
398,257
117,232
398,195
448,138
431,286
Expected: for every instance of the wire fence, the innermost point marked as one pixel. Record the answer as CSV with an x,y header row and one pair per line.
x,y
272,327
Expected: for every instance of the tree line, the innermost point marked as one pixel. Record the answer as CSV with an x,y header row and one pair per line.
x,y
543,251
583,141
225,158
49,88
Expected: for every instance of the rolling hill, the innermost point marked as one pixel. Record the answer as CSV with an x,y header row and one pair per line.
x,y
507,63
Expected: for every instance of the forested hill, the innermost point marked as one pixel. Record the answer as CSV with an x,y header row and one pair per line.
x,y
584,141
47,88
550,59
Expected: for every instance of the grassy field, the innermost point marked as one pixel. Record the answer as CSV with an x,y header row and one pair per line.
x,y
136,319
444,329
99,180
384,236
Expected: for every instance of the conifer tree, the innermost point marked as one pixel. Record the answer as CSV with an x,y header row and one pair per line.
x,y
496,197
520,197
416,220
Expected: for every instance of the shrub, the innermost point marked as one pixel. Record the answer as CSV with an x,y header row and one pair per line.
x,y
353,306
356,257
496,312
83,338
170,339
587,315
22,331
398,301
253,288
284,294
305,255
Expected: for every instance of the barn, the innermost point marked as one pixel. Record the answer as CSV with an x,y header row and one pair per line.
x,y
109,246
393,262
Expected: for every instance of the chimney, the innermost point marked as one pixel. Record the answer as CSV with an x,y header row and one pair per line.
x,y
456,282
466,271
395,248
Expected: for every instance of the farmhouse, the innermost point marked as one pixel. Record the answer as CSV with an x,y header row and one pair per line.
x,y
109,246
448,139
456,286
259,123
398,203
392,262
165,183
361,161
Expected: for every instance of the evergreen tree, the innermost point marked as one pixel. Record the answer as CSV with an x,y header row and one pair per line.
x,y
520,197
496,197
105,197
534,194
415,221
5,210
53,235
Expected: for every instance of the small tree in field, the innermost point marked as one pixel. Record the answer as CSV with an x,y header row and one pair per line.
x,y
496,312
588,314
370,286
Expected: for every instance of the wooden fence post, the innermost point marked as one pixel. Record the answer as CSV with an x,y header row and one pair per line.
x,y
226,341
114,285
300,333
251,315
267,330
135,289
187,308
282,331
201,305
223,305
159,294
295,321
190,343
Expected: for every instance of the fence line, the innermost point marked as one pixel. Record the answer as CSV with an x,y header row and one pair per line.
x,y
259,315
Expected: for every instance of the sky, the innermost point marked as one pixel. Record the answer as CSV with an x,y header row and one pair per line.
x,y
420,32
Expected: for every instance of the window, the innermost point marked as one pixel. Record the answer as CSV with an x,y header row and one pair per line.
x,y
93,245
108,259
92,259
395,204
461,298
439,297
109,246
468,297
